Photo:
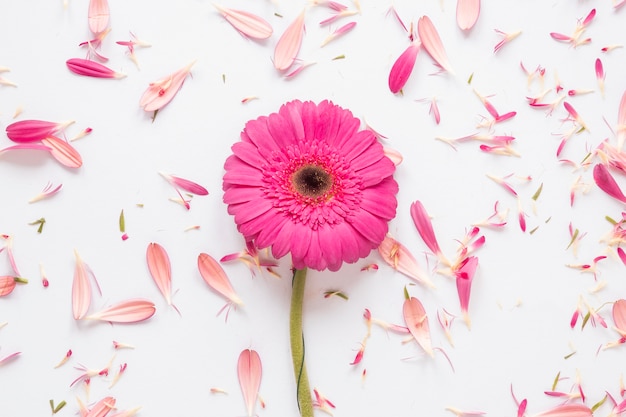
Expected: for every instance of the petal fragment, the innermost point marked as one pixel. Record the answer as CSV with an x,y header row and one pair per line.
x,y
81,290
467,12
417,322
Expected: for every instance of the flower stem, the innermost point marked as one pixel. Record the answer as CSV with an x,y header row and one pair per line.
x,y
305,401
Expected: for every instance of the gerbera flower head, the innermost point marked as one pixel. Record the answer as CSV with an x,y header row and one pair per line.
x,y
306,181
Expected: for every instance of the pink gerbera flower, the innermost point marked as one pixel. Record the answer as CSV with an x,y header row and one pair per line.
x,y
306,181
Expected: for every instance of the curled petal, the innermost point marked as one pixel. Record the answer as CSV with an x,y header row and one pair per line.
x,y
33,130
91,69
288,45
432,42
467,12
129,311
215,276
417,322
246,23
402,68
63,152
249,371
607,183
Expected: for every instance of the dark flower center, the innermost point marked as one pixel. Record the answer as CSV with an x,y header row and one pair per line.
x,y
311,181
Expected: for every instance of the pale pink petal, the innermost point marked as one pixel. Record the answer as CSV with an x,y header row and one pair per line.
x,y
249,371
9,358
101,408
187,185
422,222
619,315
215,276
400,259
162,91
7,285
90,68
288,45
417,322
129,311
25,146
339,32
160,269
567,410
621,121
402,68
432,43
98,16
607,183
81,289
63,152
467,12
464,277
34,130
246,23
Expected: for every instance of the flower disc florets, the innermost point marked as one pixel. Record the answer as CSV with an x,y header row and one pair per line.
x,y
305,180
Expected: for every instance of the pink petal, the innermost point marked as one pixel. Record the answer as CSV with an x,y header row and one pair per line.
x,y
214,275
10,357
402,68
27,146
185,184
98,16
432,42
467,12
7,285
289,44
33,130
249,371
567,410
417,322
607,183
619,315
161,92
464,278
91,69
63,152
621,121
246,23
102,408
560,37
129,311
81,290
160,269
400,259
424,227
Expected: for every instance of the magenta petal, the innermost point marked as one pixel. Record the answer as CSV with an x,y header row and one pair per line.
x,y
607,183
464,278
402,68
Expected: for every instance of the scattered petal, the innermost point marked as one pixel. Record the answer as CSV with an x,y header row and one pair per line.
x,y
400,259
34,130
215,276
467,12
162,91
402,68
90,68
246,23
81,290
129,311
417,321
63,152
288,45
249,371
432,43
160,269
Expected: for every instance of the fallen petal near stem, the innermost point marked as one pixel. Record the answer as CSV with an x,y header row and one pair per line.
x,y
215,276
249,371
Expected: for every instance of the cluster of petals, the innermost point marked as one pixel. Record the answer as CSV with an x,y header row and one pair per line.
x,y
307,181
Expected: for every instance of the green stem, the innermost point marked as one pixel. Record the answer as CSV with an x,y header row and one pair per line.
x,y
305,401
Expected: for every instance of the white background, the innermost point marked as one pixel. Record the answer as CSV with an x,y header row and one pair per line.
x,y
523,294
